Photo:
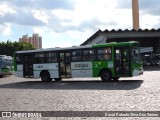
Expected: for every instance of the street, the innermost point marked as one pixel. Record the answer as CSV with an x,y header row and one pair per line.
x,y
140,93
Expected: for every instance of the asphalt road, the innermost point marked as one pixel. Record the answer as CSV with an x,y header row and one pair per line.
x,y
140,93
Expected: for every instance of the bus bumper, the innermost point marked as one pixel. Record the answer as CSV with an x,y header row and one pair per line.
x,y
138,72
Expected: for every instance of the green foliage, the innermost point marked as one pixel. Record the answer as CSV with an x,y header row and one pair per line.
x,y
9,47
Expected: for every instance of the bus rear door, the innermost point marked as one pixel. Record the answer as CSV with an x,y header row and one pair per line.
x,y
122,62
28,66
65,64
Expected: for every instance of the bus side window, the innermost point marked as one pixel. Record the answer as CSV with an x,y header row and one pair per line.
x,y
76,55
68,59
118,55
104,54
51,57
88,55
39,57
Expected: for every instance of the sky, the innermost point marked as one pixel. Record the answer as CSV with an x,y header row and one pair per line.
x,y
64,23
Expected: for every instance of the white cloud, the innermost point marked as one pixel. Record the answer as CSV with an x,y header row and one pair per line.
x,y
4,8
41,15
40,4
5,29
52,39
79,37
149,21
40,30
85,11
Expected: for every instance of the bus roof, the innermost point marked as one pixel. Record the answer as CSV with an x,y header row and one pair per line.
x,y
130,43
55,49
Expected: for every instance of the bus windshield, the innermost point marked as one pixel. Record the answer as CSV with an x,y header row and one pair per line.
x,y
2,62
136,55
5,61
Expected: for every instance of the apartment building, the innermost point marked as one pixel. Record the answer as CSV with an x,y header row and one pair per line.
x,y
35,40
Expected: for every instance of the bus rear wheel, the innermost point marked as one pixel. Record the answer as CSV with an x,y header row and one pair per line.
x,y
45,76
105,76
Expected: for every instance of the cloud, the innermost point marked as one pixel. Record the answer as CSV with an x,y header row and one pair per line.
x,y
145,6
22,18
41,15
5,29
61,17
40,4
150,22
87,15
64,25
124,4
32,12
150,6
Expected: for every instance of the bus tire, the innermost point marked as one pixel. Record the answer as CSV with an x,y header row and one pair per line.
x,y
105,75
57,79
45,76
116,79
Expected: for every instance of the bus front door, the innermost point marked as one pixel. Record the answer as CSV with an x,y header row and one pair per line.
x,y
65,65
28,67
122,62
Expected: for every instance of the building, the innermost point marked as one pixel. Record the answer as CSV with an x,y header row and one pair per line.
x,y
35,40
24,39
146,38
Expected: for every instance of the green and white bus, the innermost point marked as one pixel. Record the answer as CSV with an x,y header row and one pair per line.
x,y
109,61
6,65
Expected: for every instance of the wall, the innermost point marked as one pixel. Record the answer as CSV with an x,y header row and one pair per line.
x,y
101,39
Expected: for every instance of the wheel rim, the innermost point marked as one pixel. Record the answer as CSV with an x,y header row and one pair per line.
x,y
45,77
105,76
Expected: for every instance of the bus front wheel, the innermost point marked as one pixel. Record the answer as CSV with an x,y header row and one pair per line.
x,y
116,79
105,75
45,76
57,79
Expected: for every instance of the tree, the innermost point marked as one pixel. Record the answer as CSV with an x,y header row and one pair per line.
x,y
9,47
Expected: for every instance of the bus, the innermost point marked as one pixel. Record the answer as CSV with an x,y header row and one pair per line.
x,y
6,65
108,61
